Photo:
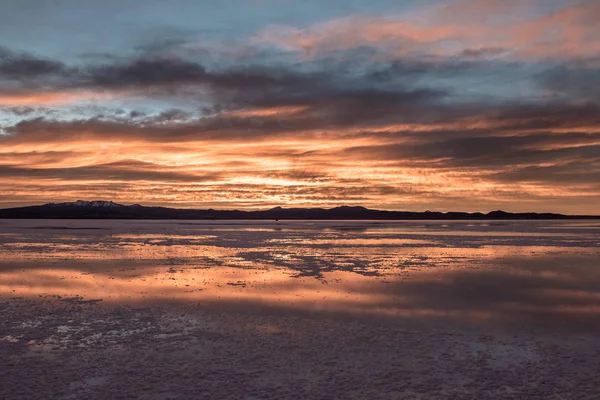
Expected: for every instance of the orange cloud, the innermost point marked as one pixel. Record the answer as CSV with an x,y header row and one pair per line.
x,y
406,173
50,98
569,32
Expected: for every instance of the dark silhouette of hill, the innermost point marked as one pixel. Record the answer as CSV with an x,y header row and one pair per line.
x,y
109,210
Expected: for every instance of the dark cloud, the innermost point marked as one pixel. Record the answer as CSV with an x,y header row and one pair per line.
x,y
21,111
486,151
334,88
295,174
29,112
482,52
145,72
575,82
136,114
168,116
37,157
153,128
22,66
576,172
547,115
117,171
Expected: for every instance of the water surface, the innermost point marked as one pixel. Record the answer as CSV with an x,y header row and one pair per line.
x,y
466,269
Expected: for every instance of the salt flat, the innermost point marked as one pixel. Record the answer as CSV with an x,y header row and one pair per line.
x,y
304,309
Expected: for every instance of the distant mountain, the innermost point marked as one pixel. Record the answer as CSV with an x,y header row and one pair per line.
x,y
81,209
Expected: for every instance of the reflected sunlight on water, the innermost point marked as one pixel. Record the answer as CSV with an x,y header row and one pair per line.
x,y
399,268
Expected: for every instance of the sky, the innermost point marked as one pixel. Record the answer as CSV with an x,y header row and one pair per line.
x,y
465,105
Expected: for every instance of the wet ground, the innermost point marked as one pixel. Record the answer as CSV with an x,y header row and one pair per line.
x,y
390,310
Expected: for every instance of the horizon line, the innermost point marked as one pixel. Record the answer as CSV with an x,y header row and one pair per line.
x,y
127,204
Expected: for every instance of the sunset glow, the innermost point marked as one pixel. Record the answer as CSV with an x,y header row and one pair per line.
x,y
447,105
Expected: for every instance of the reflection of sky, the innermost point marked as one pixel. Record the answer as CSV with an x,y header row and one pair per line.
x,y
391,268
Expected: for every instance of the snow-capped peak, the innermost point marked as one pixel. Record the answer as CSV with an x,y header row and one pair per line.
x,y
95,203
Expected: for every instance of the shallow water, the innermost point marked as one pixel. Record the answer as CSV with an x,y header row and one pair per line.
x,y
509,270
328,309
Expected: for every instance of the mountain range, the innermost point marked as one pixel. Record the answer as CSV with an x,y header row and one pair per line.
x,y
81,209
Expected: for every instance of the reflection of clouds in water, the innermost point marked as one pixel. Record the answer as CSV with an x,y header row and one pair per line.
x,y
537,291
141,236
504,270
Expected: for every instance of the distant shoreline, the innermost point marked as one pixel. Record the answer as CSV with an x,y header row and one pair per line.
x,y
567,218
110,210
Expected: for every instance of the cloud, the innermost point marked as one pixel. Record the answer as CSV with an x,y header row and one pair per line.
x,y
474,107
562,33
23,110
483,52
22,66
573,82
329,90
527,153
582,172
145,72
115,172
482,149
26,97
